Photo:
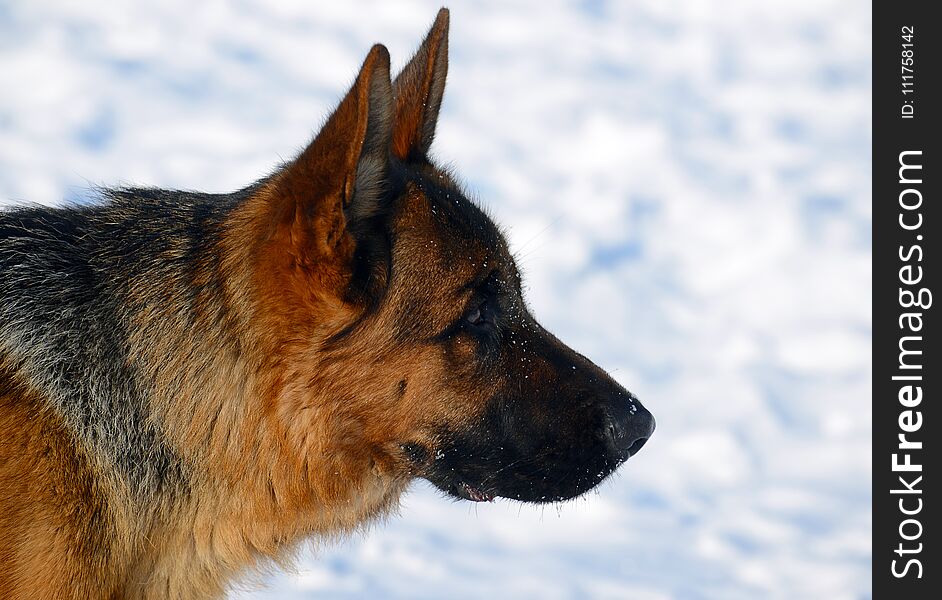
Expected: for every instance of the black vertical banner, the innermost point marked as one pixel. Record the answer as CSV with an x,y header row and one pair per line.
x,y
907,168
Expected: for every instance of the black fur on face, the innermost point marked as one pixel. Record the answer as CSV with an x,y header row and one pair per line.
x,y
554,424
551,433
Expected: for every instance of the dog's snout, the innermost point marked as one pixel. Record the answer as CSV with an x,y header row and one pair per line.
x,y
628,425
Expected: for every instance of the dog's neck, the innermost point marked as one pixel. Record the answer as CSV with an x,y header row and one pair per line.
x,y
269,448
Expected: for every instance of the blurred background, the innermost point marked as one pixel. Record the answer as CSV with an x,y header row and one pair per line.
x,y
686,186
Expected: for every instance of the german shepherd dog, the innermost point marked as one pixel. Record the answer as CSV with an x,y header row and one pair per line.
x,y
192,384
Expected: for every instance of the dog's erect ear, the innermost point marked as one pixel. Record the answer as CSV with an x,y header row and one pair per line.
x,y
418,90
341,174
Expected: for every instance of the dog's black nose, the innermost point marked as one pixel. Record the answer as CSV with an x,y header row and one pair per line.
x,y
628,426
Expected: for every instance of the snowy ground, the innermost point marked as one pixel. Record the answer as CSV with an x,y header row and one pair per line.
x,y
687,186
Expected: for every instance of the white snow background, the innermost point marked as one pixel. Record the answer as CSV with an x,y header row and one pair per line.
x,y
686,185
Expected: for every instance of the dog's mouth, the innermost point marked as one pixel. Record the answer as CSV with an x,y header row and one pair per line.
x,y
486,486
452,484
462,490
532,489
467,491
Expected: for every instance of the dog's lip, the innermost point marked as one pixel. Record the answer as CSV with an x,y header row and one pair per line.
x,y
473,493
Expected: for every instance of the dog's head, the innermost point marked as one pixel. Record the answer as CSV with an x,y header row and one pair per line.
x,y
398,328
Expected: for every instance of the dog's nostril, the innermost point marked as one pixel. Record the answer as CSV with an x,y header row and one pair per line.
x,y
636,446
628,428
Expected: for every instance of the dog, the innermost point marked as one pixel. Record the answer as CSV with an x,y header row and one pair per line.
x,y
192,384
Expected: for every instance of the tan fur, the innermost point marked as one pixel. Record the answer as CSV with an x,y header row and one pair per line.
x,y
51,524
285,436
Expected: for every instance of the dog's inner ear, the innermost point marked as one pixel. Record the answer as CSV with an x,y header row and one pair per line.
x,y
339,178
418,90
